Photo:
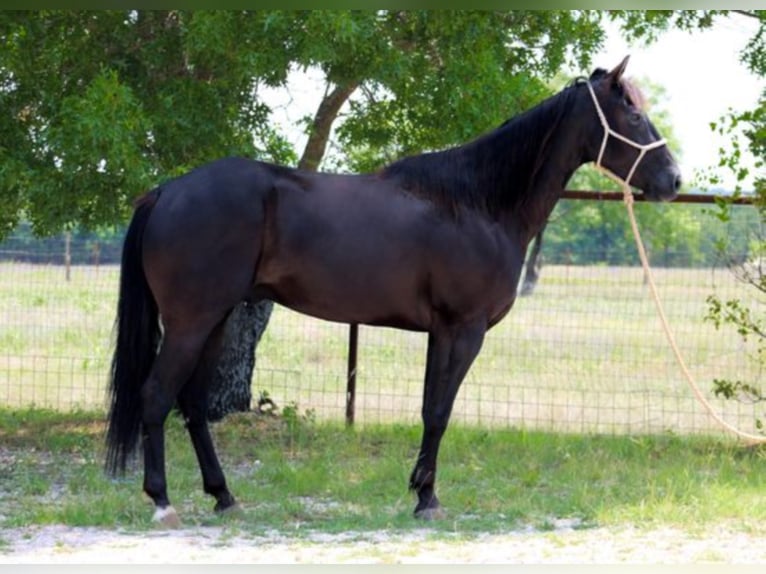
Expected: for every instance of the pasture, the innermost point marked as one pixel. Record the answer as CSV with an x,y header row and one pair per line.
x,y
585,353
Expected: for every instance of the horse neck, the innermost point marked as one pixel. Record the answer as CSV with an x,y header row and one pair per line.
x,y
514,174
539,153
563,159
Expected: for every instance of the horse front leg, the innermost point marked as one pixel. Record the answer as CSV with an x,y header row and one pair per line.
x,y
450,354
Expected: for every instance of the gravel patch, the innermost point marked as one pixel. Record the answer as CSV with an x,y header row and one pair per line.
x,y
564,544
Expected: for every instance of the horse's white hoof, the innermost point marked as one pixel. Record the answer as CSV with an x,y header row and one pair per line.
x,y
166,517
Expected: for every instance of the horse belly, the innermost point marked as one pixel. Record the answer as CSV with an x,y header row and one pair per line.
x,y
403,288
350,283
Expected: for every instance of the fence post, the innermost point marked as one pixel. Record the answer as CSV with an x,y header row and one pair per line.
x,y
353,344
68,254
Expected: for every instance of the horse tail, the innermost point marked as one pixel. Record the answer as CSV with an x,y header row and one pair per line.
x,y
137,338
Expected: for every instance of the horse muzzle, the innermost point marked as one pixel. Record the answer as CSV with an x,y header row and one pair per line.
x,y
664,186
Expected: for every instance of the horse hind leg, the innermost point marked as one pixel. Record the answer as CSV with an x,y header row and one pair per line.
x,y
175,363
193,402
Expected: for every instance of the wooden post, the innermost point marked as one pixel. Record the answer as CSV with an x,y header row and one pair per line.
x,y
68,254
353,344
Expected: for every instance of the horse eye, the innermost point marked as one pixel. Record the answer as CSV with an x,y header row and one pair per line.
x,y
635,117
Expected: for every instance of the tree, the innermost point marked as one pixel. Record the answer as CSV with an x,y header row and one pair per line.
x,y
747,128
101,106
419,80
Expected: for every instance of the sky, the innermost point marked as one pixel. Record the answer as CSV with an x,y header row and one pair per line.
x,y
700,71
703,77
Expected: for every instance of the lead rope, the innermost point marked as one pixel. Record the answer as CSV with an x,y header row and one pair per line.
x,y
749,438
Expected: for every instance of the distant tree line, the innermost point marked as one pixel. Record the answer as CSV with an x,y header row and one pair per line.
x,y
598,232
85,247
579,233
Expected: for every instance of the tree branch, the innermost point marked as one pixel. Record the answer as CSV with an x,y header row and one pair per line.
x,y
747,13
319,132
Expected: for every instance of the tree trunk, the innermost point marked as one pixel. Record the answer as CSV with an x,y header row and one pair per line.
x,y
231,386
230,389
319,134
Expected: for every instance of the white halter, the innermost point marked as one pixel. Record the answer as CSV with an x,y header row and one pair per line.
x,y
643,148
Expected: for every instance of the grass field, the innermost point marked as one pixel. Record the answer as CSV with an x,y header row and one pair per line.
x,y
294,474
585,353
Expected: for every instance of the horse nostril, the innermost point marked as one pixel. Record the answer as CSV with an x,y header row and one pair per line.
x,y
677,182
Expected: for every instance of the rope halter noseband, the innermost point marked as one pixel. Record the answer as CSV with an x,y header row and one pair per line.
x,y
608,131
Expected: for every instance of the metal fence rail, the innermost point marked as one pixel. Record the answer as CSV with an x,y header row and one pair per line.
x,y
584,353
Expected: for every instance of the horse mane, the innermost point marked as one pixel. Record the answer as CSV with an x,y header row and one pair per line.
x,y
493,172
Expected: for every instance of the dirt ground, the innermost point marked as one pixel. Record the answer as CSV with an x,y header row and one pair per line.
x,y
564,544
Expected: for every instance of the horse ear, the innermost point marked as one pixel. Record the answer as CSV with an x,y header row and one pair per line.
x,y
618,70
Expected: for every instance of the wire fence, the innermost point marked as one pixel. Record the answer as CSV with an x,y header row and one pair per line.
x,y
584,353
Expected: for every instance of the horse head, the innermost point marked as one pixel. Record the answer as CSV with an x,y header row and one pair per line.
x,y
624,140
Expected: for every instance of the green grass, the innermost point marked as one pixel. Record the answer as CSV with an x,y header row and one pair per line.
x,y
584,354
297,474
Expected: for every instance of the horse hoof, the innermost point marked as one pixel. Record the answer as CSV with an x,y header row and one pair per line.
x,y
166,518
429,514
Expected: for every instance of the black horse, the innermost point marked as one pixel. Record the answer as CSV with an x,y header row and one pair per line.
x,y
431,243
